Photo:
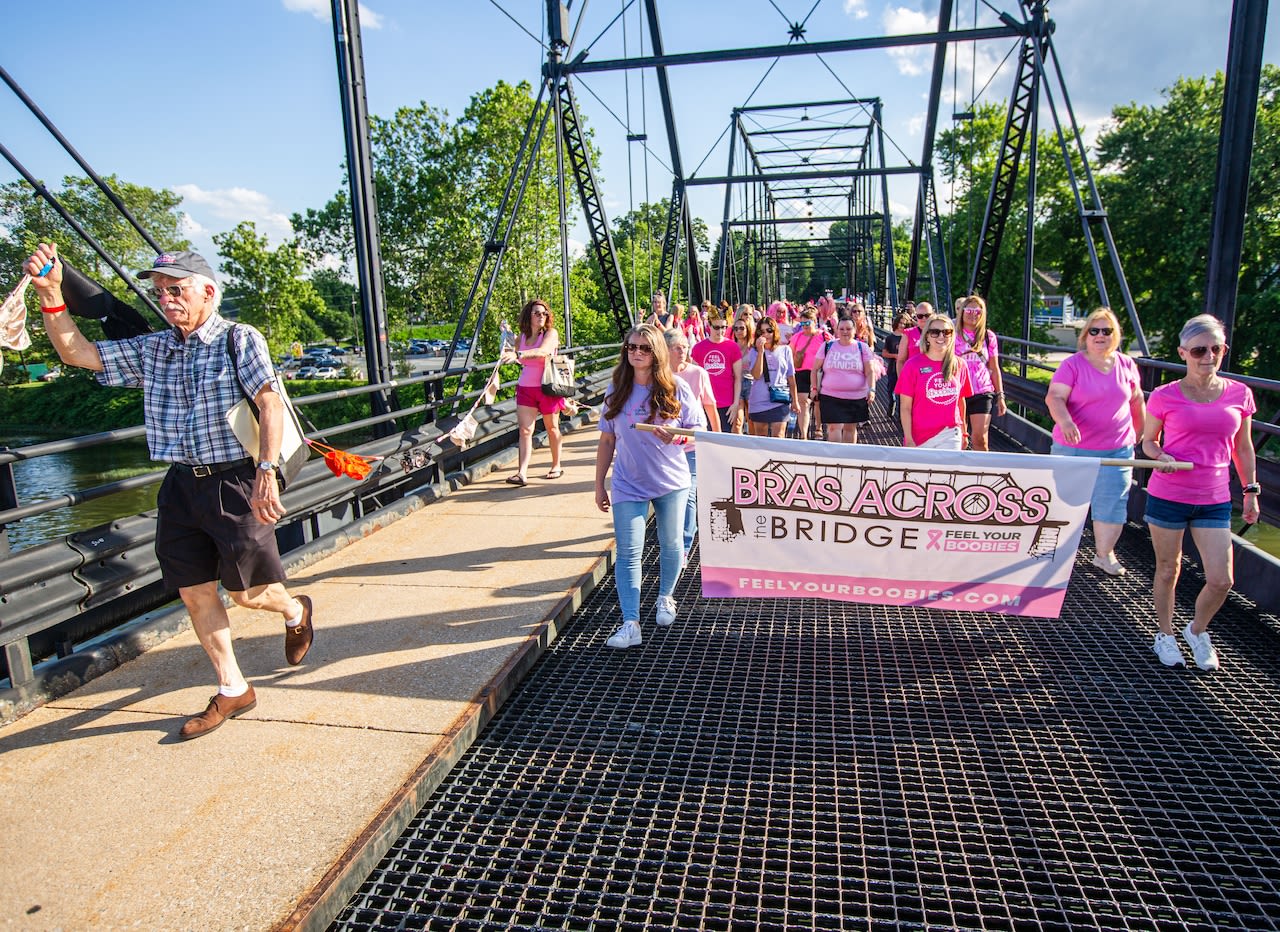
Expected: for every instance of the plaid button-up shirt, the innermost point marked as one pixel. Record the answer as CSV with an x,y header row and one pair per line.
x,y
189,386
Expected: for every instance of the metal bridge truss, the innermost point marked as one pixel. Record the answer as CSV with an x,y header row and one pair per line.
x,y
1034,80
816,167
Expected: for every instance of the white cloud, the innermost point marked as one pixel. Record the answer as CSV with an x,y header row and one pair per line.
x,y
231,206
577,248
900,21
321,10
856,8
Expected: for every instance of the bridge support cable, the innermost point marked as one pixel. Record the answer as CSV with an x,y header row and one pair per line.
x,y
1235,152
888,269
925,192
579,161
735,127
1024,102
364,208
503,222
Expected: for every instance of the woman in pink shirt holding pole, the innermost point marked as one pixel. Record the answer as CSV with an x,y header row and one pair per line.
x,y
1205,420
1095,400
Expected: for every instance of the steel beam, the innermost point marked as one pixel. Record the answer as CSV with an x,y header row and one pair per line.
x,y
1235,152
800,176
581,66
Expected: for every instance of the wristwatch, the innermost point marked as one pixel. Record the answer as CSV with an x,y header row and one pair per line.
x,y
1252,489
266,466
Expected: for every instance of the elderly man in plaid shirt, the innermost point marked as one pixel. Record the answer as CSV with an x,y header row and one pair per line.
x,y
217,510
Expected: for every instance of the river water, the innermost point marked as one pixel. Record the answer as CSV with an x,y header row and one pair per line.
x,y
58,474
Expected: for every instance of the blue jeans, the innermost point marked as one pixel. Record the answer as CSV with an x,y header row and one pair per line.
x,y
629,519
691,505
1110,501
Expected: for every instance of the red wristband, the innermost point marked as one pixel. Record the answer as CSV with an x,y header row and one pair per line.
x,y
54,310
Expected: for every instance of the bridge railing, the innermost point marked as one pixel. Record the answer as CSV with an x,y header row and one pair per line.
x,y
57,594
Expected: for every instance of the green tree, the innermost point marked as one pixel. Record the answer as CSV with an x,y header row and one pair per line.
x,y
26,220
268,286
1156,167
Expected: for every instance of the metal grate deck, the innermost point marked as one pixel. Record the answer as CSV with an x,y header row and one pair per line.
x,y
818,765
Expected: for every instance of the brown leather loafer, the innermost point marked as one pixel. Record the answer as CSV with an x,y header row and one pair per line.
x,y
220,709
298,638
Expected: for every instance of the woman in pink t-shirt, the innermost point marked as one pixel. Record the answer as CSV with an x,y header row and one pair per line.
x,y
1205,420
843,380
977,347
931,390
538,340
911,337
1095,400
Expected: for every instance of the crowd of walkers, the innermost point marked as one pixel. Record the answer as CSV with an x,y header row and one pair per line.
x,y
812,372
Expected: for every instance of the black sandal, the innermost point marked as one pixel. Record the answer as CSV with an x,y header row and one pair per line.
x,y
517,480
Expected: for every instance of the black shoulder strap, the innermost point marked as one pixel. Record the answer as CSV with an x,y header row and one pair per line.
x,y
235,367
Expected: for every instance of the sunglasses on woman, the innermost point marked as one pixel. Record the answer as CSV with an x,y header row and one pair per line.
x,y
644,349
934,332
1197,352
1100,331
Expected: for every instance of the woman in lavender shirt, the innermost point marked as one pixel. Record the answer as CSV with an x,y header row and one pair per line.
x,y
1095,400
649,468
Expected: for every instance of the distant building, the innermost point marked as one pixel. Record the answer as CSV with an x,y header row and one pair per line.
x,y
1052,308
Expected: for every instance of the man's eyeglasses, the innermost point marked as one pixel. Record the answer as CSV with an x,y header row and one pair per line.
x,y
934,332
1100,331
1197,352
922,317
718,326
173,291
644,349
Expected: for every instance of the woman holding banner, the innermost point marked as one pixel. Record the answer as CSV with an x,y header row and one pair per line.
x,y
1095,400
843,382
699,383
1205,420
649,469
931,390
773,387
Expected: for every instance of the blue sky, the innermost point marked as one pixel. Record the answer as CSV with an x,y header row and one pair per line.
x,y
233,103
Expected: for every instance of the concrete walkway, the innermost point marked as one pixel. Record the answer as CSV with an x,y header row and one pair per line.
x,y
422,628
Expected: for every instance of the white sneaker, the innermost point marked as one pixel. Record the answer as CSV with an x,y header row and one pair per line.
x,y
1166,648
1202,648
626,636
666,613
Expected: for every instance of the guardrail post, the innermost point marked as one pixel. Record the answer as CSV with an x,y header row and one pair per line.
x,y
17,657
8,499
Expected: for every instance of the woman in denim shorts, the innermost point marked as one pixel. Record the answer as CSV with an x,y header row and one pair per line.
x,y
1095,400
1202,419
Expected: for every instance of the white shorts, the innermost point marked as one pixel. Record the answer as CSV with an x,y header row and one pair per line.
x,y
948,439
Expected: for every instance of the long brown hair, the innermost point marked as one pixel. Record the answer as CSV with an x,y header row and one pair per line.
x,y
526,318
663,401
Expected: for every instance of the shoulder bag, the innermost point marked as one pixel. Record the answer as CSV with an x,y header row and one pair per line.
x,y
243,420
557,377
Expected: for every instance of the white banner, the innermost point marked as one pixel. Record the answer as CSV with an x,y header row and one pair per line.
x,y
990,532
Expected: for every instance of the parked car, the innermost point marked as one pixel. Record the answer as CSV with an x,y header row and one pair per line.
x,y
307,372
328,372
51,375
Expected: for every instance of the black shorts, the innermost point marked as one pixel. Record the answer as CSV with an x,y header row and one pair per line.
x,y
804,381
207,531
773,415
843,410
980,404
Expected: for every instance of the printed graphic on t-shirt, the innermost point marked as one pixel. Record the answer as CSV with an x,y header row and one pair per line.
x,y
940,390
715,362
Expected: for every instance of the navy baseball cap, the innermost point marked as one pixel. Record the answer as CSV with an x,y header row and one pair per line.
x,y
179,265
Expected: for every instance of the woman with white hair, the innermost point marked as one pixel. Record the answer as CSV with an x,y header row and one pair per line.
x,y
1202,419
1095,400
